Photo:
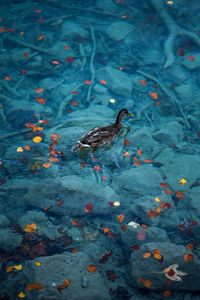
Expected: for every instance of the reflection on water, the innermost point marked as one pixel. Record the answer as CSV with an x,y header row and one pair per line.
x,y
120,221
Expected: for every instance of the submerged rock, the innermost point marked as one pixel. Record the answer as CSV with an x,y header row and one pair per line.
x,y
119,30
118,82
151,269
71,266
9,240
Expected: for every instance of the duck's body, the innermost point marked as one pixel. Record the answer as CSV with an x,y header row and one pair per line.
x,y
100,136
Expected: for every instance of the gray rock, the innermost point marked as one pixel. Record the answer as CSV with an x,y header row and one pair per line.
x,y
107,6
191,65
172,254
4,222
70,266
170,133
153,233
141,180
119,30
153,56
73,29
76,193
9,240
142,138
117,81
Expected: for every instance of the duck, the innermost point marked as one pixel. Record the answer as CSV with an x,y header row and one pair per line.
x,y
100,136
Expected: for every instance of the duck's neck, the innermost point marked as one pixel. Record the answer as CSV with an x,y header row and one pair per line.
x,y
118,121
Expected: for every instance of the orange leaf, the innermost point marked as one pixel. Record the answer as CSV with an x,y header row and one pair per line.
x,y
35,286
40,37
147,283
146,255
39,90
48,207
91,268
168,192
140,279
97,168
152,213
137,163
142,81
154,95
191,58
26,148
148,160
9,269
158,210
53,159
126,154
66,47
105,230
75,223
74,103
163,185
120,218
54,136
188,257
179,195
46,165
61,287
162,204
144,226
167,293
88,82
139,152
59,203
104,178
190,247
55,62
7,78
40,100
67,282
103,82
158,256
75,250
126,142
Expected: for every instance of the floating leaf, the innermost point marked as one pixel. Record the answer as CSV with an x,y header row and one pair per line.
x,y
59,203
190,247
182,181
46,165
39,90
154,95
21,295
66,47
137,163
40,37
152,213
192,223
188,257
140,279
168,192
135,247
9,269
103,82
74,103
38,264
144,226
75,250
20,149
179,194
91,268
75,223
18,267
116,203
147,283
67,282
123,227
126,142
157,199
97,168
89,207
30,228
48,207
111,275
69,59
35,286
105,256
141,235
163,185
105,230
53,159
167,293
167,205
126,154
146,255
61,287
88,82
54,136
37,139
120,218
191,58
148,160
158,256
142,81
139,152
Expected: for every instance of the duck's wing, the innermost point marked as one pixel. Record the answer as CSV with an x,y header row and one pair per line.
x,y
98,135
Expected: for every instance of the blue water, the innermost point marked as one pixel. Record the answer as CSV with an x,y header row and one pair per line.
x,y
118,220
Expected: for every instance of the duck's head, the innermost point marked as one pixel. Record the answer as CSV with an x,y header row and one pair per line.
x,y
122,114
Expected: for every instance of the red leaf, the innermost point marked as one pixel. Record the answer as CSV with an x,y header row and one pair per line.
x,y
181,227
181,52
123,227
163,185
105,257
69,59
192,223
135,247
89,206
126,142
167,205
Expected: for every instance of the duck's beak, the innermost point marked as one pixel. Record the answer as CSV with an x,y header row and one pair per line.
x,y
130,115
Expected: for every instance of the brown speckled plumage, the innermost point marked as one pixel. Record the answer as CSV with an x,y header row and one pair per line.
x,y
100,136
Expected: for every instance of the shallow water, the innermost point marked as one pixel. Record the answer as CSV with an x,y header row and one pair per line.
x,y
120,221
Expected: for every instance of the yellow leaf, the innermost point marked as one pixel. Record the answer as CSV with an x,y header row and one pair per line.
x,y
20,149
182,181
157,199
38,264
37,139
21,295
18,267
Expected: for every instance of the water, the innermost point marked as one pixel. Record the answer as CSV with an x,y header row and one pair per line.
x,y
120,221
